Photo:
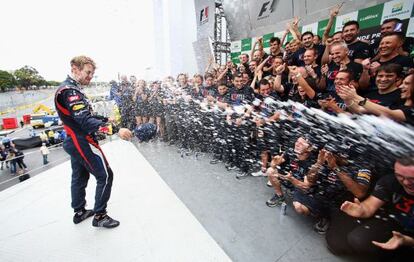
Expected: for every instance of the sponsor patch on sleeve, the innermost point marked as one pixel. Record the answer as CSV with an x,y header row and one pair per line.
x,y
73,98
78,107
364,176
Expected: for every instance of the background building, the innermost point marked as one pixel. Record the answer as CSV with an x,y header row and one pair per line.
x,y
174,33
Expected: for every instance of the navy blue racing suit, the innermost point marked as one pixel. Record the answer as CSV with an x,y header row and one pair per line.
x,y
85,153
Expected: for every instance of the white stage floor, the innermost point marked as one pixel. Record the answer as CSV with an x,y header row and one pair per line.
x,y
36,218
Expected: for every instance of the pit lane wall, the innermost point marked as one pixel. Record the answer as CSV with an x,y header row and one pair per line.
x,y
369,18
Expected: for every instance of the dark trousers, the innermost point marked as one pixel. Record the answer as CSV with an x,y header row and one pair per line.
x,y
21,163
45,162
170,124
87,160
347,235
218,136
13,166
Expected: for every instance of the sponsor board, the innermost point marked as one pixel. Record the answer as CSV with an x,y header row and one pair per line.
x,y
410,29
342,19
311,27
204,13
370,20
235,46
322,27
246,44
370,17
266,39
266,8
401,9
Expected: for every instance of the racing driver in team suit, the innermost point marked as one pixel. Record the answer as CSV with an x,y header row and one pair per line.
x,y
86,155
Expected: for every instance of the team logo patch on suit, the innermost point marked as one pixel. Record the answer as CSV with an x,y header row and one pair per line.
x,y
73,98
78,107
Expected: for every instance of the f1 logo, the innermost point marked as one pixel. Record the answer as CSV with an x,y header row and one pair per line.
x,y
266,9
204,15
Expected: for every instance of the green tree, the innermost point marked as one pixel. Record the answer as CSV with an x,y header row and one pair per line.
x,y
7,80
52,83
28,76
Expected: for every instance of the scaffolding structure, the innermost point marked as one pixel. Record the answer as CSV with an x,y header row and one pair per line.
x,y
221,41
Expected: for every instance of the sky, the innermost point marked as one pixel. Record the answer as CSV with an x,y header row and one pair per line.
x,y
46,34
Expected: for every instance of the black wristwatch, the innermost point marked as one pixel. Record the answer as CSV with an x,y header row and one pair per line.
x,y
362,102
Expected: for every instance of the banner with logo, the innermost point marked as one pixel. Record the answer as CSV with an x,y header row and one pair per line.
x,y
369,19
246,44
266,12
235,46
310,28
280,34
205,18
322,27
266,39
401,9
235,57
342,19
410,29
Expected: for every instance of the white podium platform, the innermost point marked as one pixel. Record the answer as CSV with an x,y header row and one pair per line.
x,y
36,218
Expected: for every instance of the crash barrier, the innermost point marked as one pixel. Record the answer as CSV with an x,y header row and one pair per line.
x,y
24,106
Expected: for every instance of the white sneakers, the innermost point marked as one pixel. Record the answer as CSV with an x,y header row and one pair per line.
x,y
259,173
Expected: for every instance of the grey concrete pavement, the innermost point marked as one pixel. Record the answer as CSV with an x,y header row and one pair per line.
x,y
234,211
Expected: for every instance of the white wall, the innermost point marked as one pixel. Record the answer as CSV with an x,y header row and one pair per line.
x,y
175,31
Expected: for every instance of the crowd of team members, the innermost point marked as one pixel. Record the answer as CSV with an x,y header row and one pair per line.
x,y
234,112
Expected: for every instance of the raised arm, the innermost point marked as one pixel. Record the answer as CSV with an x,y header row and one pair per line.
x,y
277,85
255,79
210,62
325,57
282,40
262,64
134,97
364,79
258,42
253,49
222,74
302,82
332,14
357,189
295,28
322,81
